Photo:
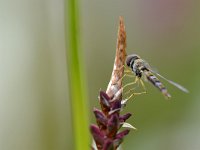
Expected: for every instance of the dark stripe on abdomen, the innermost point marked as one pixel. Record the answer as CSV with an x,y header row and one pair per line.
x,y
155,81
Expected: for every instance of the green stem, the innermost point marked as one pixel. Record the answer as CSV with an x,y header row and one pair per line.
x,y
76,78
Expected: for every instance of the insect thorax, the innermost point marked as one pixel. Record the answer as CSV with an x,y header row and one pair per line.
x,y
138,67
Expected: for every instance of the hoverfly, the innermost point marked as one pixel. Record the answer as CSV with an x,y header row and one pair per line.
x,y
141,68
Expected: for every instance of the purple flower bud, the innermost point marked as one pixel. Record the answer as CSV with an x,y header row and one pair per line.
x,y
104,101
123,118
115,108
100,118
117,142
97,135
108,145
116,104
113,125
122,134
109,121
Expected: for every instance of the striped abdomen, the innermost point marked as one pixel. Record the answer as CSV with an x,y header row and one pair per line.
x,y
155,81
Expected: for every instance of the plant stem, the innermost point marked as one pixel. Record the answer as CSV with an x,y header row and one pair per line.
x,y
106,133
76,78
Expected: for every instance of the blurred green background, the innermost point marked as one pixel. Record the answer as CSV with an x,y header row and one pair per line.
x,y
34,103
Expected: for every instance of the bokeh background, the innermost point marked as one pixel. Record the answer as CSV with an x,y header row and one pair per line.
x,y
34,103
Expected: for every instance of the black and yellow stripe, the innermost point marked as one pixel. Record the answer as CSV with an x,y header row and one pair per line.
x,y
155,81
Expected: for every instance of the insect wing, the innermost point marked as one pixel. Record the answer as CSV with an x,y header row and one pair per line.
x,y
146,64
173,83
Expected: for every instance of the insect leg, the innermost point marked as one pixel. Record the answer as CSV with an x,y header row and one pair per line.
x,y
143,86
142,83
129,91
139,93
135,94
126,69
128,84
126,75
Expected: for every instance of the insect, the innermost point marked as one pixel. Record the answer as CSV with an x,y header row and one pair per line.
x,y
141,68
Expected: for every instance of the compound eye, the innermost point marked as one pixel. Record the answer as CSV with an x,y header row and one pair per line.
x,y
130,59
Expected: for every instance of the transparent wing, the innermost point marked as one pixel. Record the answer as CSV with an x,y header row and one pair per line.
x,y
173,83
153,69
146,64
